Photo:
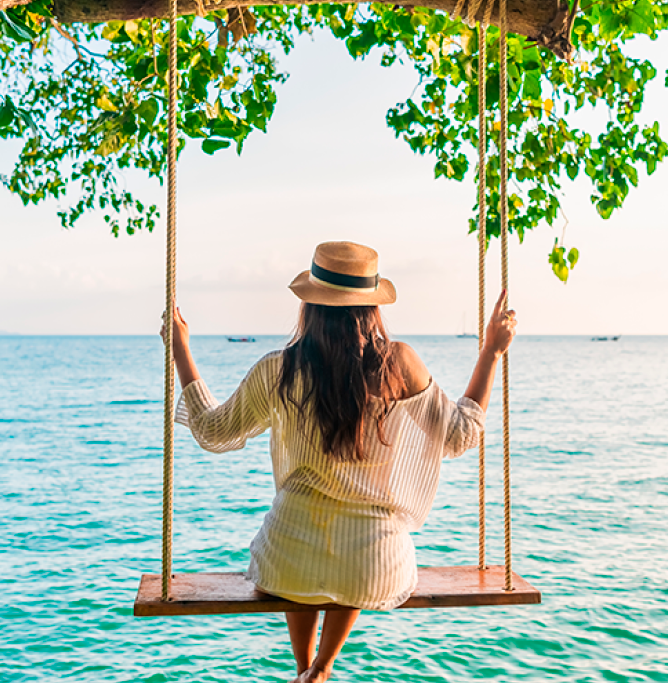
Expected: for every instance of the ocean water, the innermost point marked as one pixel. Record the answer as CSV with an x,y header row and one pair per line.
x,y
80,506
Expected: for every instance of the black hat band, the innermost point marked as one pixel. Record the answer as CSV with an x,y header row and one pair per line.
x,y
352,283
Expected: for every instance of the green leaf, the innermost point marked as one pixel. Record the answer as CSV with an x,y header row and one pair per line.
x,y
611,23
132,29
532,88
16,29
516,51
469,41
230,81
129,126
109,145
6,112
112,29
572,170
103,102
148,110
573,257
642,17
210,145
561,271
632,175
29,121
605,208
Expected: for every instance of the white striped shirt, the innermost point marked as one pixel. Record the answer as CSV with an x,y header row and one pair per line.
x,y
337,532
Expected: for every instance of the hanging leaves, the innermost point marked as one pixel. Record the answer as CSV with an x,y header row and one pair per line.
x,y
562,262
85,121
105,110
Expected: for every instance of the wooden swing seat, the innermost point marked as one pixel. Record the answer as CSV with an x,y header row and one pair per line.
x,y
232,594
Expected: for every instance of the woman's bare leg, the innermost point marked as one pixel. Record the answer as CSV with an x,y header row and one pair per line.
x,y
303,628
335,629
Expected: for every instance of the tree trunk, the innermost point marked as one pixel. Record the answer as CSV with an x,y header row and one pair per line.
x,y
548,22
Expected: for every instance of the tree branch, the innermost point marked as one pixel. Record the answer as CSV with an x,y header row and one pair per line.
x,y
547,22
66,35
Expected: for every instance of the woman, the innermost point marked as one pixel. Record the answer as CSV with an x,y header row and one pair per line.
x,y
358,432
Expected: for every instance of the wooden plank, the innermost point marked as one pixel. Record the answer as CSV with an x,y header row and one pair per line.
x,y
233,594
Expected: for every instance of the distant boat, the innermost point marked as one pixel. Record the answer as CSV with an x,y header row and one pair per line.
x,y
241,339
464,334
615,338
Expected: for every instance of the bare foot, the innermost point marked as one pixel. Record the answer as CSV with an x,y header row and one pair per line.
x,y
313,675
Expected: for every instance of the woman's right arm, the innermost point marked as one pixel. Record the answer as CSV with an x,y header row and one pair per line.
x,y
185,364
217,427
498,337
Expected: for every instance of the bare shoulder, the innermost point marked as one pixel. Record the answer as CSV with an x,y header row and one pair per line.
x,y
414,371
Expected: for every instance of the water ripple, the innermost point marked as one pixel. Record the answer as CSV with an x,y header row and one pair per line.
x,y
81,503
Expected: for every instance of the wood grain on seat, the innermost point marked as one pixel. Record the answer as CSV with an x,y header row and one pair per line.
x,y
232,594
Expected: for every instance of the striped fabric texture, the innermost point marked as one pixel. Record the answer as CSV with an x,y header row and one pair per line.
x,y
337,532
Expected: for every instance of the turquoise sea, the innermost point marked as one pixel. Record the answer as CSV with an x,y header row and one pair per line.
x,y
80,486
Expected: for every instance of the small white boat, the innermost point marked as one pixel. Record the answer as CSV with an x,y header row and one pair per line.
x,y
464,334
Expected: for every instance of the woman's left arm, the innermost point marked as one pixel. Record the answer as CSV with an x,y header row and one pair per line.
x,y
185,364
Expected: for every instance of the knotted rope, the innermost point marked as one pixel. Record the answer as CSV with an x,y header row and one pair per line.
x,y
503,152
482,246
473,8
170,292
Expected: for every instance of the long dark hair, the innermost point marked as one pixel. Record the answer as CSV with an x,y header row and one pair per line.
x,y
341,354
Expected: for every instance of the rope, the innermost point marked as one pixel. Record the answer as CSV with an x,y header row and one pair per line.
x,y
170,292
482,244
503,104
457,12
170,285
487,18
473,7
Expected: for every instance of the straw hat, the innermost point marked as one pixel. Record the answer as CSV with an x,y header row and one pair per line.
x,y
344,274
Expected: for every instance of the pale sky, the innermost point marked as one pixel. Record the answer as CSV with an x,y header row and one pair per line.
x,y
330,169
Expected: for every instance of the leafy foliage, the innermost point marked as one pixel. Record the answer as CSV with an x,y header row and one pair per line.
x,y
563,263
104,111
86,118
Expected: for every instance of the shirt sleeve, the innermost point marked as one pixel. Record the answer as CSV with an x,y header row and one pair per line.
x,y
226,427
465,421
451,427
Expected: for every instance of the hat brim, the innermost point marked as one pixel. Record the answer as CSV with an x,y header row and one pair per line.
x,y
314,293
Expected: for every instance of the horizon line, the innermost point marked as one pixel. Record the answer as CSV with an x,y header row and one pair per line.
x,y
278,334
